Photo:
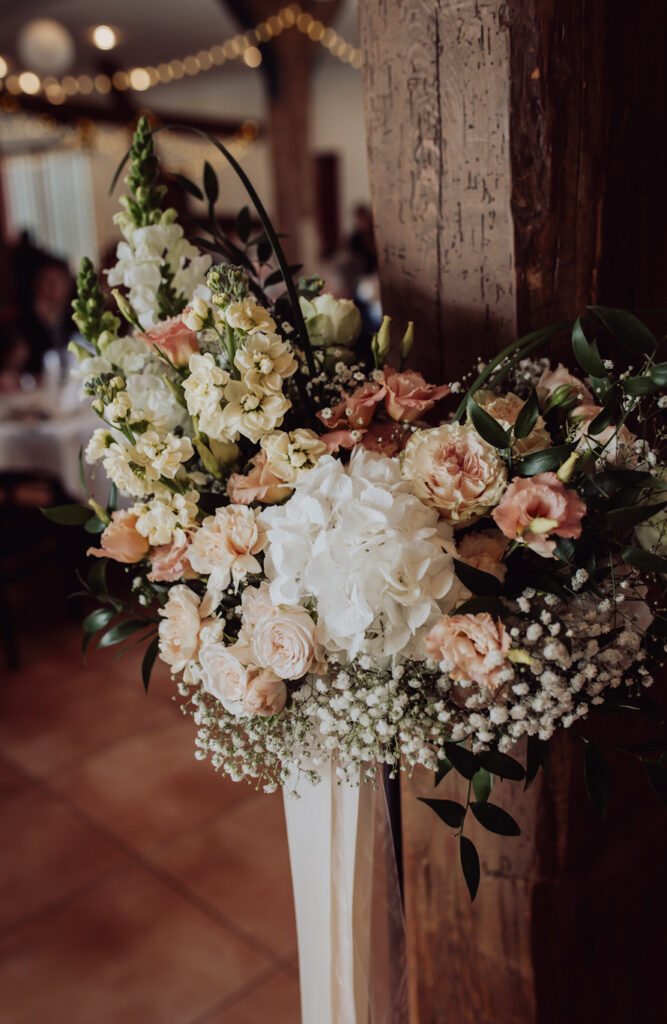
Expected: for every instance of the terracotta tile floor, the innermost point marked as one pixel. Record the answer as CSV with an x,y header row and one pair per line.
x,y
136,885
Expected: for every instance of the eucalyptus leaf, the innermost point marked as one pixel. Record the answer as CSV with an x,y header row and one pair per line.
x,y
545,461
495,819
443,769
449,811
527,417
243,224
470,866
187,185
537,756
485,425
586,353
659,374
211,187
632,515
503,765
68,515
626,328
480,583
94,525
482,782
82,475
97,577
597,777
637,386
98,619
118,633
463,761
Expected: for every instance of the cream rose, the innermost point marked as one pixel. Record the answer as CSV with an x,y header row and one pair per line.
x,y
224,675
284,640
472,649
453,469
265,695
225,545
183,618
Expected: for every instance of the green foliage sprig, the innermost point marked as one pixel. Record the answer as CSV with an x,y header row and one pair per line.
x,y
89,314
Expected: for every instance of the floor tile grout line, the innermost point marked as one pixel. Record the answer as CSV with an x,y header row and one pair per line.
x,y
158,872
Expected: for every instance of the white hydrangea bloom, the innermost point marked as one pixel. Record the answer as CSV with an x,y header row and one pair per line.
x,y
374,558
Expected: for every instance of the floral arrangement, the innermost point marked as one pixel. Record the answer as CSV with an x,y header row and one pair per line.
x,y
339,560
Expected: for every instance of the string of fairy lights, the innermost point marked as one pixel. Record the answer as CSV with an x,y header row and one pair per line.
x,y
139,79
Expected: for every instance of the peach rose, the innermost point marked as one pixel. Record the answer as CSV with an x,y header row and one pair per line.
x,y
183,618
355,410
505,409
260,484
408,395
170,562
484,551
536,506
225,674
284,640
173,339
561,377
265,695
225,545
617,447
120,540
453,469
472,649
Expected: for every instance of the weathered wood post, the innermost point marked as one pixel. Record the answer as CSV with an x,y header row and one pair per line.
x,y
517,173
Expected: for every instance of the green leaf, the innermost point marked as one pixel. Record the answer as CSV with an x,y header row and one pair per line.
x,y
443,769
85,644
657,776
564,549
470,866
97,577
643,559
82,475
112,503
68,515
631,515
94,525
448,811
264,251
463,760
98,619
597,777
626,328
606,416
659,374
118,633
480,583
187,185
148,662
492,605
482,781
527,417
211,187
502,765
586,353
495,819
485,425
637,386
243,224
545,461
537,755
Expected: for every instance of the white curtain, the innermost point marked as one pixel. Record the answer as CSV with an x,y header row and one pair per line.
x,y
51,196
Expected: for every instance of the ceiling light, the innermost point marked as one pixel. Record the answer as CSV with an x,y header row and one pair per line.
x,y
252,57
4,67
46,46
104,37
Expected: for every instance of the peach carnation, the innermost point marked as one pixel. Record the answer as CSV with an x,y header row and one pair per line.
x,y
121,540
453,469
170,562
534,507
484,551
408,395
225,545
472,649
260,484
174,340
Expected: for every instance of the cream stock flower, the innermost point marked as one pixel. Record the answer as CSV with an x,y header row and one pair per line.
x,y
183,618
204,391
455,471
250,413
166,518
264,361
98,445
373,557
289,454
249,316
225,545
161,454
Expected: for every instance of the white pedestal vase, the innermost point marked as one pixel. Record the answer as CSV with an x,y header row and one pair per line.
x,y
349,918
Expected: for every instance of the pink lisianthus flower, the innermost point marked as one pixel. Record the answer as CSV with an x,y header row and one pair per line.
x,y
409,396
337,439
355,411
174,340
260,484
121,540
533,508
472,650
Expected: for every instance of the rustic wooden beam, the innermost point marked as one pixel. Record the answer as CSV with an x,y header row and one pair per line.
x,y
517,174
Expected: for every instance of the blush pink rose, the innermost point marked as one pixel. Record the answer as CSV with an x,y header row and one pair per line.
x,y
285,641
120,540
260,484
484,551
170,562
408,395
173,339
472,649
225,674
265,695
183,618
356,410
542,497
